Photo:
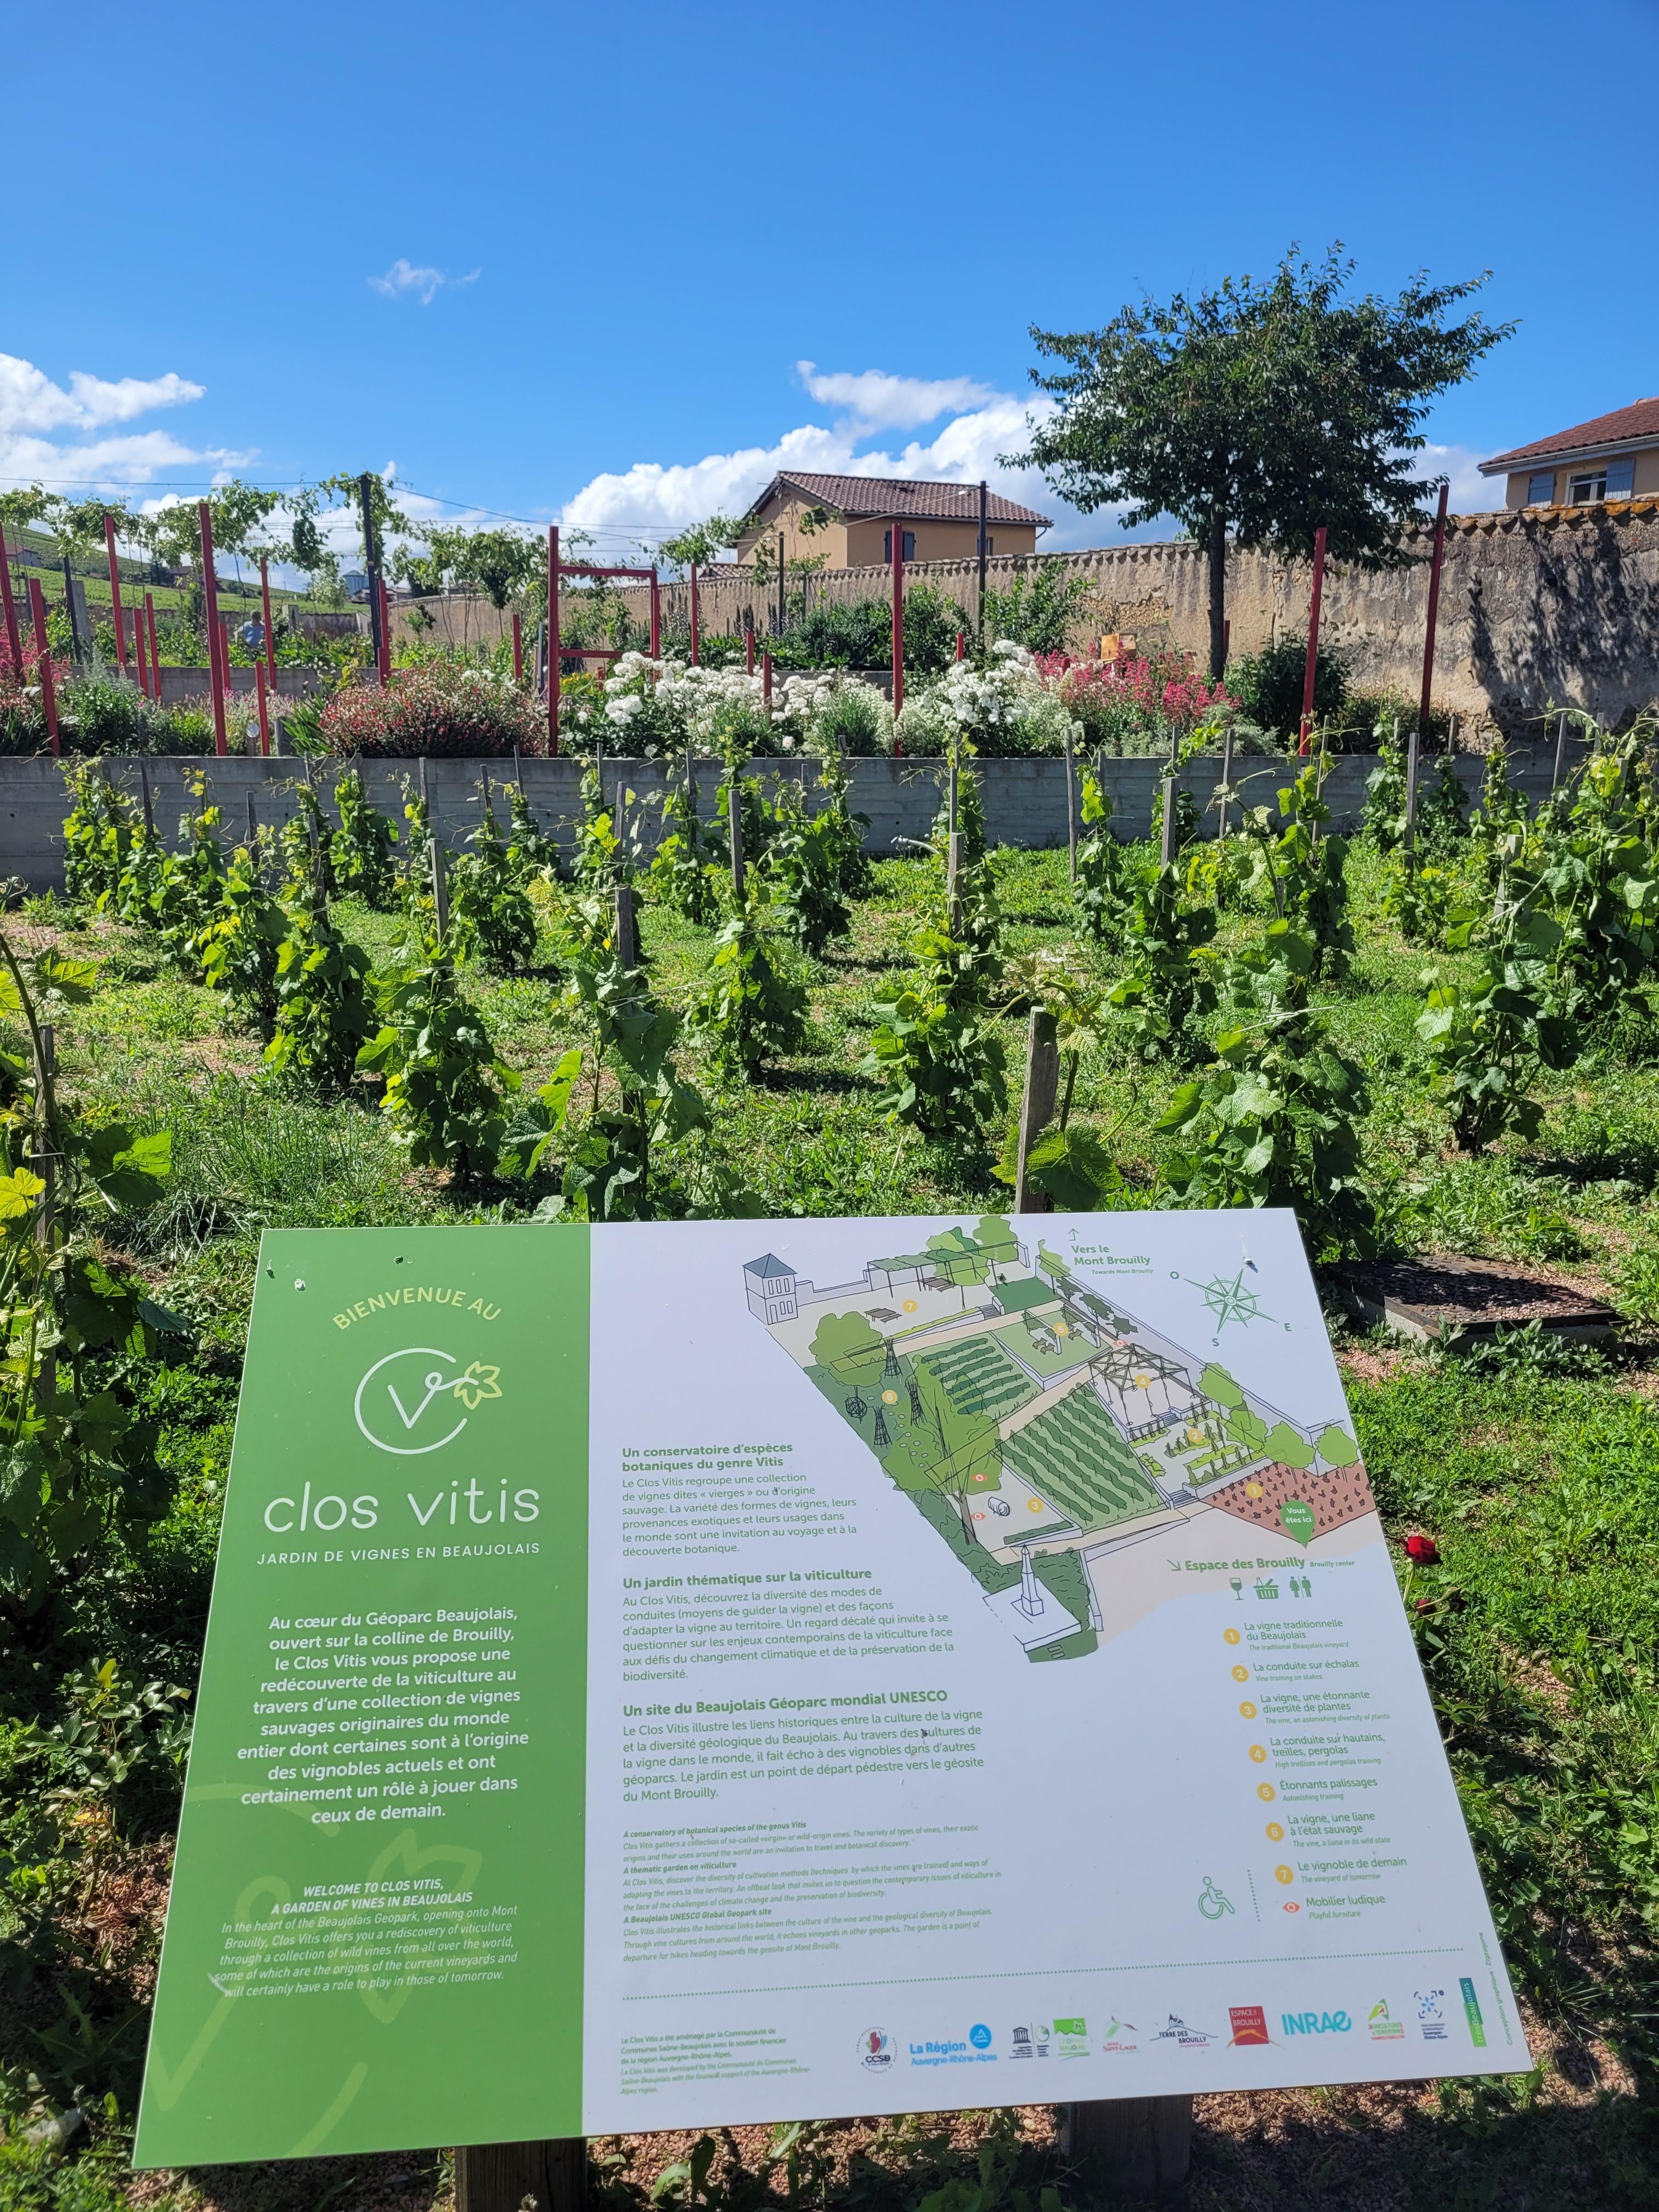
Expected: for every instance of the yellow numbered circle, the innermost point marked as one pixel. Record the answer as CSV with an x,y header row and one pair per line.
x,y
1063,1328
909,1305
890,1397
1194,1436
1284,1874
1231,1635
1275,1834
1248,1709
1253,1490
1265,1792
1034,1505
1241,1673
1259,1753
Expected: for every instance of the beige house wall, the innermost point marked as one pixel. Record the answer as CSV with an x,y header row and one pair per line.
x,y
938,541
1645,485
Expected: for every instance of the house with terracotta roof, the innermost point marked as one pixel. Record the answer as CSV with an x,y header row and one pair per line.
x,y
1612,456
851,519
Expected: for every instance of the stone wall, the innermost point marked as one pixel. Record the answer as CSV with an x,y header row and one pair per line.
x,y
1025,801
1540,607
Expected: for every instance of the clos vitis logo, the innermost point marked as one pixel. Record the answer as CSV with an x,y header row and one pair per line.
x,y
408,1403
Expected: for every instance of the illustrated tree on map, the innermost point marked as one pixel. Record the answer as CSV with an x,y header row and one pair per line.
x,y
845,1342
883,1438
858,1407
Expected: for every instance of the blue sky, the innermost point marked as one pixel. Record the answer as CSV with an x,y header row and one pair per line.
x,y
614,266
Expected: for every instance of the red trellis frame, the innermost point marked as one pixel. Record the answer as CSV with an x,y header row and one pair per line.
x,y
556,570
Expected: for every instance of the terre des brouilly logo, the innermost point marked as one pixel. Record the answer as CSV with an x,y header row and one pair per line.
x,y
408,1400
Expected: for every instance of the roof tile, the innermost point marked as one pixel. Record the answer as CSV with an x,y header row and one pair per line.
x,y
910,499
1639,420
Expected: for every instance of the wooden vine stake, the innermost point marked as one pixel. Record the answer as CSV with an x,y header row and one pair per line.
x,y
734,823
628,931
953,853
1037,1107
1227,777
1070,808
547,2177
1411,795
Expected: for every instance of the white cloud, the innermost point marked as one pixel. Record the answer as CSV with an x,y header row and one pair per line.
x,y
893,402
404,277
1471,492
652,497
31,407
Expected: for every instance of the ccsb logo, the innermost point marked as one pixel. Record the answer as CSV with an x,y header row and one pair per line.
x,y
876,2049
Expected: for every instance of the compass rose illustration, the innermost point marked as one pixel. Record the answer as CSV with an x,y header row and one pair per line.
x,y
1229,1298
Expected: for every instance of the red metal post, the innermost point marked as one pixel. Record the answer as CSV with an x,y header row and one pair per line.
x,y
553,634
155,649
697,639
385,634
13,639
265,710
898,617
1434,616
962,645
518,651
115,590
1311,668
43,660
748,648
270,635
656,617
139,648
210,593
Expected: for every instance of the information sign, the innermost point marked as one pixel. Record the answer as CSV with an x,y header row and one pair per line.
x,y
667,1675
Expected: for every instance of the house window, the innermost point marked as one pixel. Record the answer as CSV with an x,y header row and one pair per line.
x,y
1609,480
1540,489
909,552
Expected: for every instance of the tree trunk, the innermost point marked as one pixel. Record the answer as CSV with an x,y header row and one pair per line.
x,y
1218,550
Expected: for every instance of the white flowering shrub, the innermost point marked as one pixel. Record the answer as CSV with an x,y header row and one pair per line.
x,y
1006,707
652,708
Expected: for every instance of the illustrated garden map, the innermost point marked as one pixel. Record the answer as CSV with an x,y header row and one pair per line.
x,y
1043,1430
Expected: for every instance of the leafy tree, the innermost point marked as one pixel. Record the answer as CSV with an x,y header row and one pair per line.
x,y
235,510
500,563
385,515
699,546
1268,685
1037,609
1256,412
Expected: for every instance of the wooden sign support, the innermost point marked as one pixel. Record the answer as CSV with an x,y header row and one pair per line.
x,y
1137,2148
543,2176
1037,1107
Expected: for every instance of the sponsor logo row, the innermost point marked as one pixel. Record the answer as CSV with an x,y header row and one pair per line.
x,y
1426,2017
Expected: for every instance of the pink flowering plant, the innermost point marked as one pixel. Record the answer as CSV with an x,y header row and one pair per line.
x,y
1138,702
439,709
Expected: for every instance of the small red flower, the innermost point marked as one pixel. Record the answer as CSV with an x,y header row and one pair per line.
x,y
1425,1605
1422,1551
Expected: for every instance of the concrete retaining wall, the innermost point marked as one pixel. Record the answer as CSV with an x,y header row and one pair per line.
x,y
1025,799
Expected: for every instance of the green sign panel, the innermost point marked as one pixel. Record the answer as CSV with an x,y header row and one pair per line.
x,y
1296,1518
385,1799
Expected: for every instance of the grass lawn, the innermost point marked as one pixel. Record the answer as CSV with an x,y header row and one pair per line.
x,y
1536,1471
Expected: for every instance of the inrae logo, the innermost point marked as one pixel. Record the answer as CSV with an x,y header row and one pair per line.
x,y
1315,2023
